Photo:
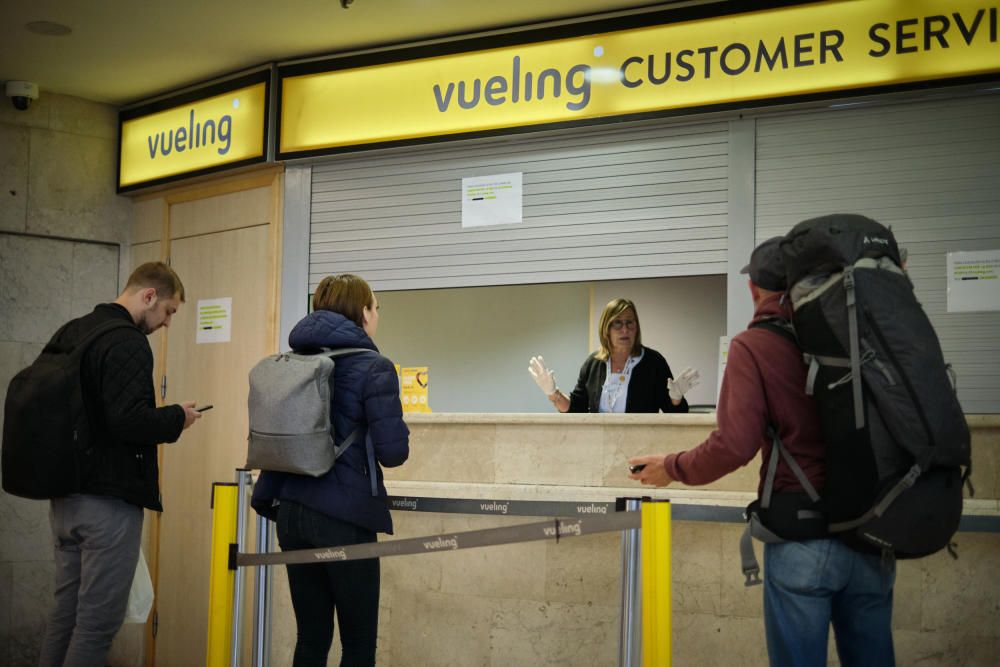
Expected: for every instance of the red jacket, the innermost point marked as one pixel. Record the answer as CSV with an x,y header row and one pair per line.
x,y
764,381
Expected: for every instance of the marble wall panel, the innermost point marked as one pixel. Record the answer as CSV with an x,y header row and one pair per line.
x,y
30,602
584,570
441,630
72,194
6,593
449,453
503,571
422,572
704,639
549,454
13,178
78,116
552,633
94,276
35,287
986,462
737,598
26,535
945,649
963,595
696,564
906,595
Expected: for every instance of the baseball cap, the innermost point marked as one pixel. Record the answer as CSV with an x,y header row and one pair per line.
x,y
766,267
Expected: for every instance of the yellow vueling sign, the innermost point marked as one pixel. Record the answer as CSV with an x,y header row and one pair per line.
x,y
790,51
203,134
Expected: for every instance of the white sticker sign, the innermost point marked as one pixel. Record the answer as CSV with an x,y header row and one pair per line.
x,y
214,321
491,200
973,281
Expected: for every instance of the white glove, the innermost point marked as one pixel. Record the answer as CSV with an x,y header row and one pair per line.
x,y
543,377
682,384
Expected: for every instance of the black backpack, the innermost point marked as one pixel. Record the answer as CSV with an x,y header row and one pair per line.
x,y
898,445
47,437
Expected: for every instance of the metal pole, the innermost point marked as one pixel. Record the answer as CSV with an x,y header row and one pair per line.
x,y
243,485
630,639
262,599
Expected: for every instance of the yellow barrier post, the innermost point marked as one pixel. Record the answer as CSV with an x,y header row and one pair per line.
x,y
222,579
655,570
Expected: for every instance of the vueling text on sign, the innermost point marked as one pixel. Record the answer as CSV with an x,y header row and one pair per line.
x,y
206,133
808,49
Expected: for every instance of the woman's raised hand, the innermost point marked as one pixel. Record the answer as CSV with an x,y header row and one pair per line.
x,y
543,377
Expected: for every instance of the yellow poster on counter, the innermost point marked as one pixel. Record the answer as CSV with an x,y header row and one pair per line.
x,y
413,389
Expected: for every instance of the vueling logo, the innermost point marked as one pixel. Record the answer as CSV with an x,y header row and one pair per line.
x,y
196,134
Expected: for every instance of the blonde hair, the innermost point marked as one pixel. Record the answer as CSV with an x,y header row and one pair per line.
x,y
615,308
346,294
160,277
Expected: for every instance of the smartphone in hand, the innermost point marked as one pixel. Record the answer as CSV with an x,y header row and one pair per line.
x,y
637,467
204,408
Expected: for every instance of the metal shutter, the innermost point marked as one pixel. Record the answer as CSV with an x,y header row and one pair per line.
x,y
600,203
930,171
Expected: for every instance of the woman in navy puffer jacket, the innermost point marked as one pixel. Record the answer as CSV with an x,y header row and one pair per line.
x,y
338,508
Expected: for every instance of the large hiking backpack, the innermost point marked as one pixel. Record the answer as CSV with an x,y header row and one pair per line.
x,y
898,445
47,435
290,421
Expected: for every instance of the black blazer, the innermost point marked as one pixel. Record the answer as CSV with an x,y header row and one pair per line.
x,y
647,389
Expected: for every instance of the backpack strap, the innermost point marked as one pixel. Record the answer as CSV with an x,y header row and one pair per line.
x,y
852,327
360,431
755,528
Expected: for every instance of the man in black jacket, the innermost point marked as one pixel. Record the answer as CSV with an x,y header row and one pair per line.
x,y
97,531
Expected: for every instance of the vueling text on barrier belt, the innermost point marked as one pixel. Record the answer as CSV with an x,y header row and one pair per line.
x,y
555,529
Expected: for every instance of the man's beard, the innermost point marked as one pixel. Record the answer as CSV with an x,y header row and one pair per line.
x,y
143,324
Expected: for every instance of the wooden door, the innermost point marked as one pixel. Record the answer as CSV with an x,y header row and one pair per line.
x,y
220,246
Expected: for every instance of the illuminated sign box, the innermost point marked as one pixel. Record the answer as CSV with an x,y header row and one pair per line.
x,y
218,127
815,49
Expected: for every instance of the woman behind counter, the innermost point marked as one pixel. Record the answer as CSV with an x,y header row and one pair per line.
x,y
622,376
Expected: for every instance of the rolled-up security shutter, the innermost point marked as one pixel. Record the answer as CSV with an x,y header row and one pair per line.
x,y
598,204
930,171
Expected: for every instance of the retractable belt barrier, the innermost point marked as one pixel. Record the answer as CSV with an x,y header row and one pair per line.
x,y
544,530
649,645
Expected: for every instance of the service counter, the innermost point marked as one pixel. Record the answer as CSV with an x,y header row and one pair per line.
x,y
558,603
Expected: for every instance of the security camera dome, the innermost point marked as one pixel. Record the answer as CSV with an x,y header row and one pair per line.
x,y
21,93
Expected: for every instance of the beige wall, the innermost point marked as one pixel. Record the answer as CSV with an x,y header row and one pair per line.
x,y
57,176
543,603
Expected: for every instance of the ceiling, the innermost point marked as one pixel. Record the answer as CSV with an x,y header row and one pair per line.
x,y
122,51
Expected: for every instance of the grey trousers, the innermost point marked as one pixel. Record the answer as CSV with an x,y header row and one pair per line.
x,y
96,550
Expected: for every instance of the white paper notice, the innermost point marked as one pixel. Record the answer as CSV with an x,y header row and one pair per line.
x,y
491,200
215,317
973,281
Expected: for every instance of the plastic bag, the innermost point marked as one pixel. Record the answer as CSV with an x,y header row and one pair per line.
x,y
140,596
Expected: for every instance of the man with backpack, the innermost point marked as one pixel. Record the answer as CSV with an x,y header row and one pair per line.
x,y
97,526
811,580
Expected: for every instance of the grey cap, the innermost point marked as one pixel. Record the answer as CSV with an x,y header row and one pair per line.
x,y
766,267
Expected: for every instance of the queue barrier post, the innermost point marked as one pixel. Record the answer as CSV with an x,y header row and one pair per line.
x,y
222,573
629,639
655,568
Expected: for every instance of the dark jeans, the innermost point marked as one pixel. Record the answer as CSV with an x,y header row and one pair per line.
x,y
350,589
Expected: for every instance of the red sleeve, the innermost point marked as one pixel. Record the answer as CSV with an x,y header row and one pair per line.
x,y
742,421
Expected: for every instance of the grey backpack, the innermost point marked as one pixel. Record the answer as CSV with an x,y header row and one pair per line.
x,y
289,408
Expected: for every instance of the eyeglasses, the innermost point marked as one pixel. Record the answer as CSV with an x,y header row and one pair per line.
x,y
628,324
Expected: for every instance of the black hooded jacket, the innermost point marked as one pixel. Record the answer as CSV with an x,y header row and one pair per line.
x,y
118,391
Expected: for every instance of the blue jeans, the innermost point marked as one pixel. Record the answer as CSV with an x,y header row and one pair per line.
x,y
809,585
96,551
319,590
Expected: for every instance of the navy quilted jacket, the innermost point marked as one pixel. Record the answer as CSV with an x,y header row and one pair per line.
x,y
365,392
